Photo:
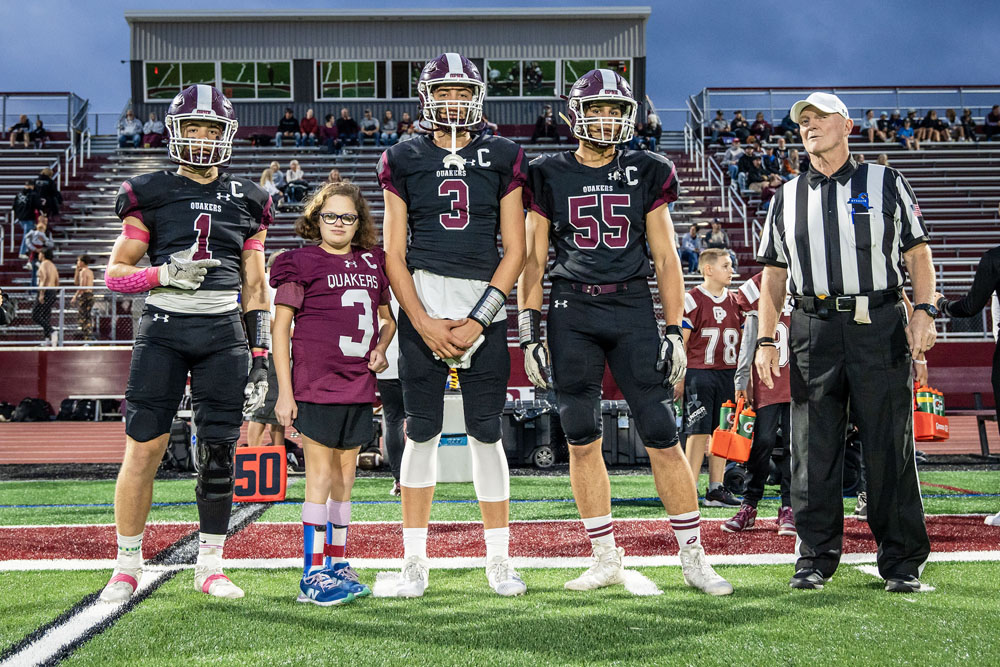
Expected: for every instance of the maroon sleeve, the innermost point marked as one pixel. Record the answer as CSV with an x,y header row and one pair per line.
x,y
388,179
286,280
533,192
127,204
517,177
665,184
384,295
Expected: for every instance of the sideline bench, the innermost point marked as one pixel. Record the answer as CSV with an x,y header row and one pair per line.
x,y
973,380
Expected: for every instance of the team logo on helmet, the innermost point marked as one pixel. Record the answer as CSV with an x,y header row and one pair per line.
x,y
451,69
594,87
200,103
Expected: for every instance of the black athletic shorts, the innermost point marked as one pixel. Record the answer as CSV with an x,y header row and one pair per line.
x,y
484,385
213,348
336,426
705,390
583,332
265,414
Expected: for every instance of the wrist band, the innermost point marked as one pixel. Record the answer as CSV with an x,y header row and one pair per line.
x,y
922,362
673,329
489,305
258,324
529,326
766,344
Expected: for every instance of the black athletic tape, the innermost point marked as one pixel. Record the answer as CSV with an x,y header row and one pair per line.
x,y
529,326
491,303
258,324
674,329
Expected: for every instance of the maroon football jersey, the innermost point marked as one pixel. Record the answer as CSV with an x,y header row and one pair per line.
x,y
336,298
747,299
715,329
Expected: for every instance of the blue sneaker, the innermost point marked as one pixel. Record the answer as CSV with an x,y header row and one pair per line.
x,y
344,573
322,589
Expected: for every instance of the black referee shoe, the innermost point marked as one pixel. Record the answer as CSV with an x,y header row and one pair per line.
x,y
720,497
902,583
808,579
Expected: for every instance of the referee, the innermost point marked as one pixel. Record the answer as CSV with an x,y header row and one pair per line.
x,y
839,235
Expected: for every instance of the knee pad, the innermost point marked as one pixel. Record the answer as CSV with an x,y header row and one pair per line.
x,y
656,425
580,420
418,469
490,476
215,470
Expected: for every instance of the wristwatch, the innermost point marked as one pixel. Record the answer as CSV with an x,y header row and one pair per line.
x,y
928,308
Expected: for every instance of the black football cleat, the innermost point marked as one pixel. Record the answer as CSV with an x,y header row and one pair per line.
x,y
808,579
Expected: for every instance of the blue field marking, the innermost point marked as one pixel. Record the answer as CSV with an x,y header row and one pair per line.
x,y
463,501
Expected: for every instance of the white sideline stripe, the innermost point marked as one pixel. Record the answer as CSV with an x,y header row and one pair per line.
x,y
45,647
469,562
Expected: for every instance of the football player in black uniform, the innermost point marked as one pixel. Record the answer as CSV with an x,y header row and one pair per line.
x,y
601,206
204,234
447,194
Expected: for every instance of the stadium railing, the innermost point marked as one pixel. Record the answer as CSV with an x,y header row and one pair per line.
x,y
111,317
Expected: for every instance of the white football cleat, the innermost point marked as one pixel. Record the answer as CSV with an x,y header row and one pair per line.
x,y
414,579
503,578
211,581
607,570
699,574
993,520
124,582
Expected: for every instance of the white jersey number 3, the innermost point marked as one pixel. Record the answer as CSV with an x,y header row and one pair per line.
x,y
348,345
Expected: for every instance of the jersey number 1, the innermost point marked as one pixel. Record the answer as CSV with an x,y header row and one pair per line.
x,y
203,226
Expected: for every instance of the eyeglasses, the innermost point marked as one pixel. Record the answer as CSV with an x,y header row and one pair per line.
x,y
346,219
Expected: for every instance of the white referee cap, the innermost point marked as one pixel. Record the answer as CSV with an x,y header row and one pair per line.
x,y
827,102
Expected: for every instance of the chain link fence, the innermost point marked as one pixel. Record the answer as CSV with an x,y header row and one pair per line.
x,y
68,316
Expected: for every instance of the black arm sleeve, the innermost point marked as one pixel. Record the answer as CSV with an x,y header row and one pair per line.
x,y
983,286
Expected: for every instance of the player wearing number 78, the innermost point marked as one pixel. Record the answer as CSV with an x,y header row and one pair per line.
x,y
601,206
204,234
338,293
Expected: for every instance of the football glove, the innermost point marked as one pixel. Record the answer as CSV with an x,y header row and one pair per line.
x,y
536,365
672,360
256,389
183,272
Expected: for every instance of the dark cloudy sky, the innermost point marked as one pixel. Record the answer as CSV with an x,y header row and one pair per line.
x,y
77,44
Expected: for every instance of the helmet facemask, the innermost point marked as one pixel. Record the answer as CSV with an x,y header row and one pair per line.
x,y
200,153
466,113
593,128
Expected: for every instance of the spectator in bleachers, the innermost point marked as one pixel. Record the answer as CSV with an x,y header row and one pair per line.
x,y
83,299
545,126
906,137
761,128
6,309
859,158
969,125
369,128
882,159
717,237
930,127
388,133
278,176
20,131
869,128
739,126
347,128
757,179
308,128
690,248
885,127
26,206
297,187
38,136
152,132
405,127
48,281
731,158
653,131
288,129
770,161
992,125
38,239
955,130
267,182
780,149
489,127
911,115
47,189
895,123
720,127
334,176
790,165
328,135
788,128
129,131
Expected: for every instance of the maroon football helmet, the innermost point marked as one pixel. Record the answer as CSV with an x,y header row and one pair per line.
x,y
451,69
202,103
602,85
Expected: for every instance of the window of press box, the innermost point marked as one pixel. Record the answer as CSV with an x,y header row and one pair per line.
x,y
165,80
406,75
574,69
521,78
350,79
257,80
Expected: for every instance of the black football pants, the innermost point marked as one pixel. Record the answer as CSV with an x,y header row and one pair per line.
x,y
765,437
839,365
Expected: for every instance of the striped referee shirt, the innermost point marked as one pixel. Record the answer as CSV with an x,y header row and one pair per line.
x,y
845,234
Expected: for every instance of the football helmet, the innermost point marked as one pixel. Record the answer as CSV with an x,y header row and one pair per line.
x,y
602,85
451,69
200,102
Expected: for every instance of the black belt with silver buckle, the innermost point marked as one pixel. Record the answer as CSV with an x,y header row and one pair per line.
x,y
845,304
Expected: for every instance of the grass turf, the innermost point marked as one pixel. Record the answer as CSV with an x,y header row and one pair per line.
x,y
30,599
460,622
551,498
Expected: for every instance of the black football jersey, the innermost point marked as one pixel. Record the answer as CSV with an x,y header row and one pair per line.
x,y
598,214
453,214
220,216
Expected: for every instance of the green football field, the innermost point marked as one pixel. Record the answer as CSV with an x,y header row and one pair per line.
x,y
461,622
